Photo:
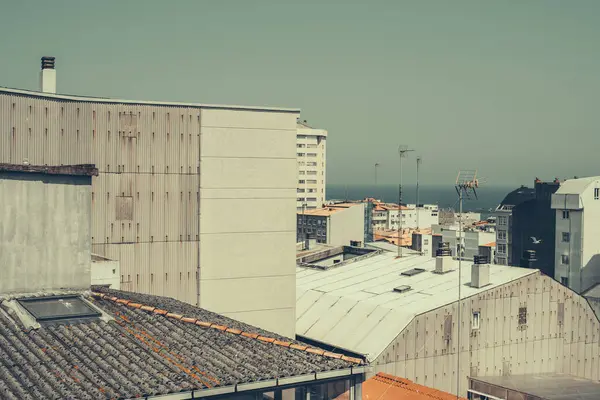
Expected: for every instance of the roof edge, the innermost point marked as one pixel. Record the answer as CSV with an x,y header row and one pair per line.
x,y
69,97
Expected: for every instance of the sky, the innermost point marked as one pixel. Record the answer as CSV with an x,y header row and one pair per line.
x,y
510,88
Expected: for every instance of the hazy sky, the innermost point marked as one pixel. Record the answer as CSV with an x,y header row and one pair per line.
x,y
509,87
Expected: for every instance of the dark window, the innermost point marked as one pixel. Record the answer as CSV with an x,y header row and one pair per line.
x,y
564,259
566,237
565,214
522,315
58,308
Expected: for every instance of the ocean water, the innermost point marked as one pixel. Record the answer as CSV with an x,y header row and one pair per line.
x,y
487,199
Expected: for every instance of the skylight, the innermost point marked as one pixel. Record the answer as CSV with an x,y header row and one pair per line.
x,y
54,308
412,272
402,289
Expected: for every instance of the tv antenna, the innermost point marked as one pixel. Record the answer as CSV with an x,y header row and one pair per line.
x,y
466,187
402,150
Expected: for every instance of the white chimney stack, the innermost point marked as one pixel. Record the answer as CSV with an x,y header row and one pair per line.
x,y
443,259
480,272
48,76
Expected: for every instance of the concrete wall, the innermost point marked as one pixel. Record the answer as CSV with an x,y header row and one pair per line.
x,y
146,202
105,271
347,225
500,346
248,217
44,232
427,218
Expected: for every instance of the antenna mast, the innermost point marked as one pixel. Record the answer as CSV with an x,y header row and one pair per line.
x,y
466,185
402,150
417,202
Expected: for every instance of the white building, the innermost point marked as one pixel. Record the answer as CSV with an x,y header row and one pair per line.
x,y
186,197
336,225
577,258
311,151
404,317
106,272
386,216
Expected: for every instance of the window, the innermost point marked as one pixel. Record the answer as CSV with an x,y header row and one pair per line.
x,y
425,242
501,235
475,320
596,193
501,248
566,237
565,214
565,281
564,259
502,220
522,315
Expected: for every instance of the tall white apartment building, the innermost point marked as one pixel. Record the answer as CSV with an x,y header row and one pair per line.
x,y
311,150
577,254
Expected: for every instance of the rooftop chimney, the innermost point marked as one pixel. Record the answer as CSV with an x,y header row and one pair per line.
x,y
480,272
443,259
528,259
48,75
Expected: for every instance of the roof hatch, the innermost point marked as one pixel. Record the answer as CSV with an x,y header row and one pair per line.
x,y
412,272
58,308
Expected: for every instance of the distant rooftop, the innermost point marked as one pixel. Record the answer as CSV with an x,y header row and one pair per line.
x,y
518,196
576,186
328,210
68,97
76,170
355,307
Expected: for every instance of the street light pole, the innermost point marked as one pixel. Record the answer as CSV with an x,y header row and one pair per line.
x,y
402,150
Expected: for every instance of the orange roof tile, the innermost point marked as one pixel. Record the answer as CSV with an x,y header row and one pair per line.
x,y
388,387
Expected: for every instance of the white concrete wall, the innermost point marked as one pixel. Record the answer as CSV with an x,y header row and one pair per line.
x,y
106,272
311,153
248,207
346,225
45,231
427,218
499,346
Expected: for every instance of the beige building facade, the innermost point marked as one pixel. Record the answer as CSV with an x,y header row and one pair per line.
x,y
195,201
311,150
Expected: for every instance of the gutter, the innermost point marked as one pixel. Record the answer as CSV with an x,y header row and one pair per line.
x,y
267,384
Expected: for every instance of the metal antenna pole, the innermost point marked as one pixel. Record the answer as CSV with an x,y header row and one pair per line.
x,y
402,150
417,202
466,182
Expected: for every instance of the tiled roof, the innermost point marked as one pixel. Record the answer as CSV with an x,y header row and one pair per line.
x,y
388,387
155,345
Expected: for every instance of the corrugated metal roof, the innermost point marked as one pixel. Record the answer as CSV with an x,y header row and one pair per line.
x,y
576,186
158,103
354,307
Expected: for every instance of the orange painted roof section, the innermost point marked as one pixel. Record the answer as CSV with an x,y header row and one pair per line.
x,y
321,212
491,244
388,387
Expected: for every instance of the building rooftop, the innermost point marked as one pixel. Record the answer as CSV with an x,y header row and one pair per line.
x,y
576,186
77,170
328,210
389,387
67,97
544,386
148,346
518,196
355,307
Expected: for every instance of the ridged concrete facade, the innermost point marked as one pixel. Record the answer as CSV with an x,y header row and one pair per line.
x,y
533,325
162,167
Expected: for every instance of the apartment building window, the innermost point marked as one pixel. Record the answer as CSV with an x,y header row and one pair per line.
x,y
311,164
566,237
299,190
300,154
564,259
312,181
475,320
565,214
300,146
502,235
596,193
501,248
502,221
311,172
311,154
564,280
301,181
